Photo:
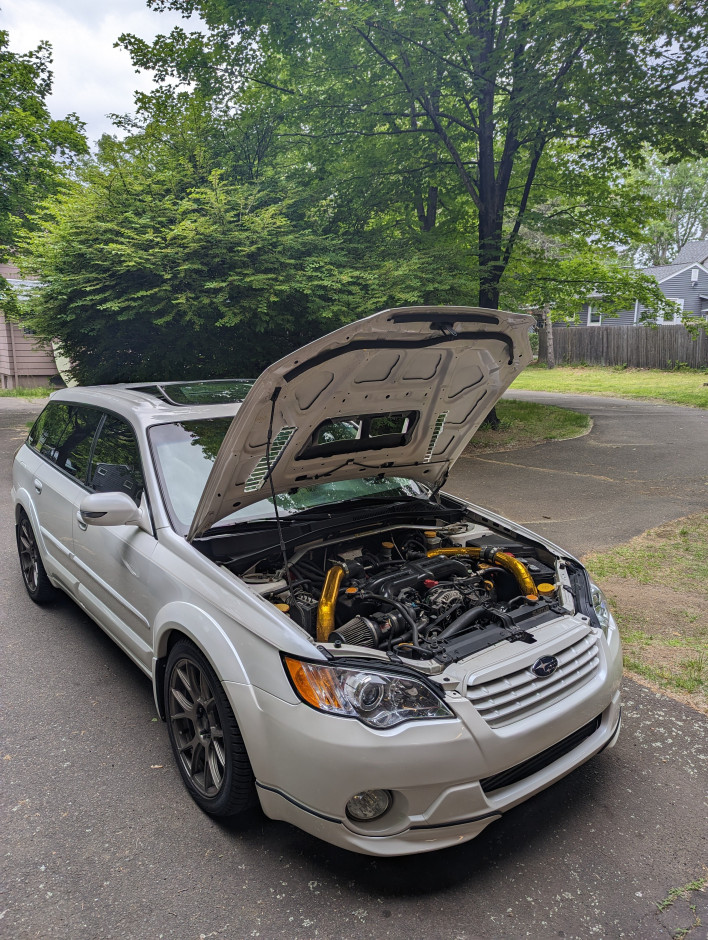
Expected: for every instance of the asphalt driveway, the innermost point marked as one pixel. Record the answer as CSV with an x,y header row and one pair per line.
x,y
643,464
101,841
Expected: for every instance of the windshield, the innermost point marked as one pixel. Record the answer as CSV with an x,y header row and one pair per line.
x,y
185,451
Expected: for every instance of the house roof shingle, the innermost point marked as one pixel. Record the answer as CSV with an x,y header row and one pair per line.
x,y
692,252
663,270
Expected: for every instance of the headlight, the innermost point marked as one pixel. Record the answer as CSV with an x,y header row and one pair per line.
x,y
602,609
378,699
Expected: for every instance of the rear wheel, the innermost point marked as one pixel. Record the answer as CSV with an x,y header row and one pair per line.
x,y
38,585
205,737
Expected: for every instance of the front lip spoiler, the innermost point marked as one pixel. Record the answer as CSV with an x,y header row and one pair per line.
x,y
496,814
290,799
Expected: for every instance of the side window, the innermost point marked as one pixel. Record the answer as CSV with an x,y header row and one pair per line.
x,y
64,434
116,460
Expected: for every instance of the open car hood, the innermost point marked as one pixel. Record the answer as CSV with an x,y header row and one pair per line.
x,y
399,393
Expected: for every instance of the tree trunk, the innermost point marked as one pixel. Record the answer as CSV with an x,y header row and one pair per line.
x,y
492,420
548,323
427,215
490,262
490,274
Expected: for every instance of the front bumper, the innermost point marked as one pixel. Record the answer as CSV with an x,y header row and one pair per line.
x,y
308,764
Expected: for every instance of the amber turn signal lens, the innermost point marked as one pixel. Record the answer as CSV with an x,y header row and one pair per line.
x,y
315,685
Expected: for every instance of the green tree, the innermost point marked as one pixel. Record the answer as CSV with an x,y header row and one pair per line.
x,y
680,192
476,97
37,153
183,252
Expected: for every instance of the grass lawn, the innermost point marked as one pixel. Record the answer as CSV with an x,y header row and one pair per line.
x,y
523,423
25,392
657,585
682,387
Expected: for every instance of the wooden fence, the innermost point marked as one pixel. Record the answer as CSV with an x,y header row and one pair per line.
x,y
642,347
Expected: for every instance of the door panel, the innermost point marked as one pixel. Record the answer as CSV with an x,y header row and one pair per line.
x,y
115,564
116,561
63,435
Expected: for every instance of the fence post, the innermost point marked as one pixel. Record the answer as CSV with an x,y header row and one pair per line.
x,y
548,324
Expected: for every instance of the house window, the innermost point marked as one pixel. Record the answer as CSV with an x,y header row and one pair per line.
x,y
679,310
594,316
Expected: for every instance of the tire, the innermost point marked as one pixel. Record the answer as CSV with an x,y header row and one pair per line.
x,y
36,580
204,735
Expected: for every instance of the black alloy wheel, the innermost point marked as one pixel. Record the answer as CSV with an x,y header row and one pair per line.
x,y
205,737
38,585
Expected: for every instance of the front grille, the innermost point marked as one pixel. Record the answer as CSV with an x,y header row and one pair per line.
x,y
544,759
521,693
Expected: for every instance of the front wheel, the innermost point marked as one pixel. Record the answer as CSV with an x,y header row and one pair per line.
x,y
204,735
36,580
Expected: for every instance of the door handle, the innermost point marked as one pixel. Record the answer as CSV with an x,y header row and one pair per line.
x,y
82,524
38,485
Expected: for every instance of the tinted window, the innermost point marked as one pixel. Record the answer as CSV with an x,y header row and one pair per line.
x,y
116,460
64,434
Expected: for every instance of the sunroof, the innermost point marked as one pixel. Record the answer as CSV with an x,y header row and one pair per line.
x,y
210,392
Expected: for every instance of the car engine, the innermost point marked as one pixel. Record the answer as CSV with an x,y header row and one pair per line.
x,y
418,593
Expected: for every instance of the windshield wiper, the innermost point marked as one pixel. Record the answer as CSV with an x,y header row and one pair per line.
x,y
359,502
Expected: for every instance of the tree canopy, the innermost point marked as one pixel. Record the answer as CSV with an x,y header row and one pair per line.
x,y
681,192
36,152
327,159
481,99
179,254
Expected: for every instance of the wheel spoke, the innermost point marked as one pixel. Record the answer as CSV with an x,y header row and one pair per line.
x,y
219,751
184,703
198,756
194,681
214,768
182,673
191,744
196,729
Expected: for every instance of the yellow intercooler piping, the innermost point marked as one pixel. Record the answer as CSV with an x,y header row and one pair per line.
x,y
333,580
328,601
502,560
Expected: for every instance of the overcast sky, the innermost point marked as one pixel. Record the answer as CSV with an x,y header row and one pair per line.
x,y
90,76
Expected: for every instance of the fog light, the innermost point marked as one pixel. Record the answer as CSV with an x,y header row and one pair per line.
x,y
369,804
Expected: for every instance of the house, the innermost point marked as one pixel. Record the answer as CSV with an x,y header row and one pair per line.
x,y
22,363
685,281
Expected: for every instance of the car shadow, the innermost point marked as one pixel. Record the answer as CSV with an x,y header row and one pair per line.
x,y
520,832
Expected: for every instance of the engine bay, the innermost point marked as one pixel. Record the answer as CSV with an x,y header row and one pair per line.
x,y
422,593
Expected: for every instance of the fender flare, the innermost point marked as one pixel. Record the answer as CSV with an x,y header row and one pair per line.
x,y
24,503
208,636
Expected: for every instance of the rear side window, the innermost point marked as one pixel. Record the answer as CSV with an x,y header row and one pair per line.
x,y
64,434
116,463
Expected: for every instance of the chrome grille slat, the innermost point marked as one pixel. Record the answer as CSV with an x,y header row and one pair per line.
x,y
510,698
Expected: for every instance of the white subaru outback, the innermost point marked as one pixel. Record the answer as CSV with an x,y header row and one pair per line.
x,y
327,631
